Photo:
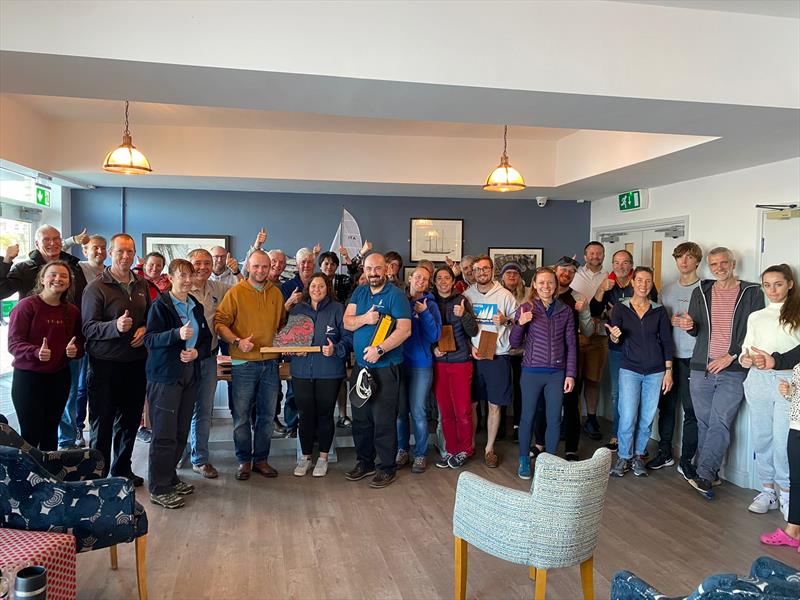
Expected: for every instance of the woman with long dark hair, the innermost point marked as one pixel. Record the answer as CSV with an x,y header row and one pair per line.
x,y
775,328
45,334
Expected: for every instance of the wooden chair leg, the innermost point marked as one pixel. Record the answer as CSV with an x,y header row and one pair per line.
x,y
461,568
113,557
532,573
587,578
541,583
141,566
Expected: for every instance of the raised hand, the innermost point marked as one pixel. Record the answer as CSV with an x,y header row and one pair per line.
x,y
232,263
72,348
683,321
762,360
499,318
82,237
327,349
614,331
458,309
317,249
186,332
12,252
261,237
450,262
372,316
189,355
421,306
366,247
44,351
525,316
246,344
125,322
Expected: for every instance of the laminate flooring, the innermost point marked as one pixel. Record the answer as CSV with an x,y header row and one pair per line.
x,y
308,538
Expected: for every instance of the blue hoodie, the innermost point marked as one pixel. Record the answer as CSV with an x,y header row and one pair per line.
x,y
328,324
426,329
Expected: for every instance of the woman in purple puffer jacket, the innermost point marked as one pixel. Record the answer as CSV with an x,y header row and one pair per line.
x,y
545,327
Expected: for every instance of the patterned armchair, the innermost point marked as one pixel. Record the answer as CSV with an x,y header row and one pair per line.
x,y
554,525
63,498
769,580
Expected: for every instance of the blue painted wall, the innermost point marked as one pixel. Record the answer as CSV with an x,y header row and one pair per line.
x,y
296,220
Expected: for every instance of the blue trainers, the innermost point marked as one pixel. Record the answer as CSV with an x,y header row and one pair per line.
x,y
524,470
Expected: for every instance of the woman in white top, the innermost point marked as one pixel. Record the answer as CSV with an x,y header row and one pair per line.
x,y
775,328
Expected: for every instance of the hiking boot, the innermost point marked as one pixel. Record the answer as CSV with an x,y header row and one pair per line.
x,y
620,467
168,500
207,470
703,487
183,489
763,503
457,460
444,461
402,458
382,479
420,464
360,471
303,465
321,468
524,470
638,467
661,460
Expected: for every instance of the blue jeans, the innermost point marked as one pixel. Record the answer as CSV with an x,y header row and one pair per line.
x,y
255,383
638,403
614,359
769,425
68,427
416,384
203,409
83,394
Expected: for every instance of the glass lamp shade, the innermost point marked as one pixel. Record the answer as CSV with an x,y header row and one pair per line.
x,y
127,160
504,178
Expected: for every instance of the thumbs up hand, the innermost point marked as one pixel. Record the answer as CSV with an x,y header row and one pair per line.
x,y
372,316
317,249
12,252
232,263
614,331
72,348
746,360
261,237
186,332
499,319
82,237
525,316
421,306
328,348
458,309
685,322
125,322
44,351
762,360
246,344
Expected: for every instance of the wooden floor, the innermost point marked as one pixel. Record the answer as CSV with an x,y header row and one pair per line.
x,y
310,538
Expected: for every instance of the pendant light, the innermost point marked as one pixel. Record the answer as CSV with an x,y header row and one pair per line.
x,y
504,178
126,159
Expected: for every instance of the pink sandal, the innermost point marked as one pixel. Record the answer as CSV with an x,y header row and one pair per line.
x,y
780,538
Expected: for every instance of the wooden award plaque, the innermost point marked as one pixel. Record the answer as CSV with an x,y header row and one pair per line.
x,y
447,341
296,336
487,344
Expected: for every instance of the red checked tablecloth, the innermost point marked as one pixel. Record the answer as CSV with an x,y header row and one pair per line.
x,y
54,551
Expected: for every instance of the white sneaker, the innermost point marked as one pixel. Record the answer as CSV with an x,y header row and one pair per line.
x,y
303,465
321,468
764,502
784,501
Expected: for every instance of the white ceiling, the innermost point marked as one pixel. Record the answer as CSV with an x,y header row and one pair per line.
x,y
769,8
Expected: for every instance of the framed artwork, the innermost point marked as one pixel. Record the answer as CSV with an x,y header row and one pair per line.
x,y
407,273
176,245
529,259
435,239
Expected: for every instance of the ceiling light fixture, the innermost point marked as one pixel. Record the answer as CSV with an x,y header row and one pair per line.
x,y
504,178
126,159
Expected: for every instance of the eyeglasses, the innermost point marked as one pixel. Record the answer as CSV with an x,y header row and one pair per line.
x,y
480,269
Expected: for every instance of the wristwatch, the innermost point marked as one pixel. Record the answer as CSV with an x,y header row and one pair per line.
x,y
236,342
380,350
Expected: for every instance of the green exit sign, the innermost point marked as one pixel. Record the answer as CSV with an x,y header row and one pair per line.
x,y
42,196
633,200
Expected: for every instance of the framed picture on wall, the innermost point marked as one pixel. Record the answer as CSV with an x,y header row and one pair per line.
x,y
407,273
435,239
529,259
176,245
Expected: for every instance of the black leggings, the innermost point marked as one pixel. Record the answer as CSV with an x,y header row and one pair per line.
x,y
793,449
39,399
316,399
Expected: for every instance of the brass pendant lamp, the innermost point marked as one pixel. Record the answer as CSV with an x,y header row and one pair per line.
x,y
504,178
126,159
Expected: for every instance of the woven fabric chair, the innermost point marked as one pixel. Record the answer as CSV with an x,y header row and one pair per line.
x,y
554,525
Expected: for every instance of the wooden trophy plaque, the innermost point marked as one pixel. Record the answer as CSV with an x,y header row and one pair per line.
x,y
487,344
296,336
447,341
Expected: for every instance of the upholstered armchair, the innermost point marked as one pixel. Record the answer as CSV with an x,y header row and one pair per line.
x,y
100,513
554,525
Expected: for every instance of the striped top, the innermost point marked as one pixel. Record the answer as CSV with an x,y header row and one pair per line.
x,y
722,304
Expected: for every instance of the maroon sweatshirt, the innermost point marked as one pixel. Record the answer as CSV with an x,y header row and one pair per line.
x,y
31,321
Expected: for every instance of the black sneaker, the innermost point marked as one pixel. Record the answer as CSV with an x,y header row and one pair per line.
x,y
661,460
382,479
444,461
703,486
591,429
457,460
278,429
687,470
144,435
360,471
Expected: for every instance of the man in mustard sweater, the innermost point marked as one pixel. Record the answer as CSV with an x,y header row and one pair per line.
x,y
248,317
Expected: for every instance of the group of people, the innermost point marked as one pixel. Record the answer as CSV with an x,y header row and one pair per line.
x,y
456,333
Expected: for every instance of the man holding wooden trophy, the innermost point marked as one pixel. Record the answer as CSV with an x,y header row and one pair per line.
x,y
494,308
